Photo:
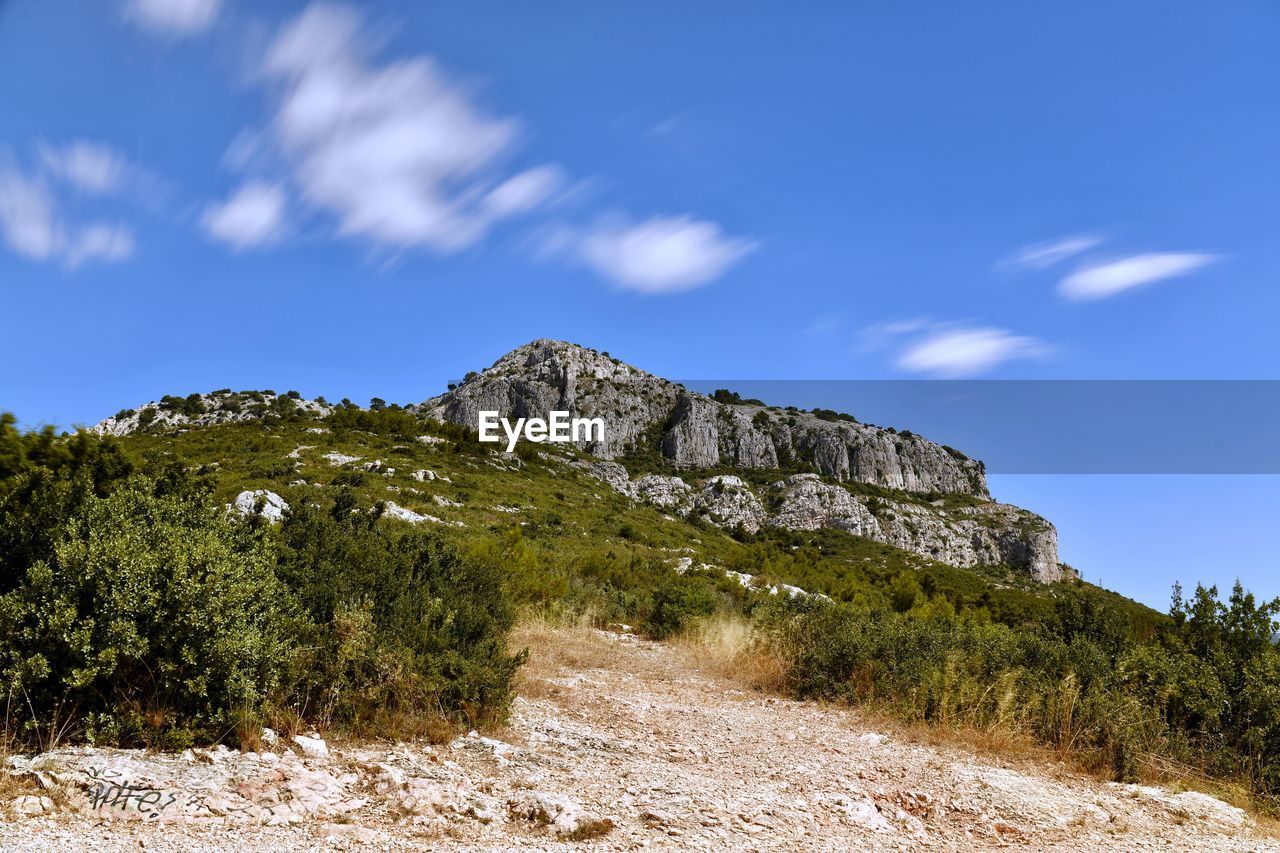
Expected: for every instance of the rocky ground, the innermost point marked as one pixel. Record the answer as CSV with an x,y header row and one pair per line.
x,y
616,743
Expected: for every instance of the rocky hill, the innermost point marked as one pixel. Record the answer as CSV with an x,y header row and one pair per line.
x,y
695,431
738,465
957,523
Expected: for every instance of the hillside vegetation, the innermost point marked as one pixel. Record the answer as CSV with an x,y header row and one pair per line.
x,y
135,609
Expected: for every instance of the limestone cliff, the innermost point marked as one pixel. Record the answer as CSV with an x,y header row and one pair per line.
x,y
693,430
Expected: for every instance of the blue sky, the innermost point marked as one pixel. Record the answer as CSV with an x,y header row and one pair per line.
x,y
374,199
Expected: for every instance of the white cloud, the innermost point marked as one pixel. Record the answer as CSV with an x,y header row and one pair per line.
x,y
1044,255
1100,280
662,254
31,225
254,215
956,352
89,166
28,215
399,155
524,192
173,17
881,334
100,241
395,151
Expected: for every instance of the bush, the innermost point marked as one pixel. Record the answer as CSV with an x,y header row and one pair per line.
x,y
383,421
135,610
153,620
677,602
398,624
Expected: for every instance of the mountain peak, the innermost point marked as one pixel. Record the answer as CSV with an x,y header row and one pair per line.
x,y
646,413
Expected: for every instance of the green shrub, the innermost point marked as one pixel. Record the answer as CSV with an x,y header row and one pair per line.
x,y
397,623
155,617
135,610
678,601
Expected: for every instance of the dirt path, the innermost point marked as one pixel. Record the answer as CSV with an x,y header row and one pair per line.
x,y
626,741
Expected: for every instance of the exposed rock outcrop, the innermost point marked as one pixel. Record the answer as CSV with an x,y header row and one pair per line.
x,y
273,507
643,411
729,502
984,533
217,407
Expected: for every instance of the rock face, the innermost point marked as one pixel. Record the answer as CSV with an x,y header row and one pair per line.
x,y
729,502
643,411
984,533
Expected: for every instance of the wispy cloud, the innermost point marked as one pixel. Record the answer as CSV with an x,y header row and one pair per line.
x,y
966,352
400,155
396,151
668,124
28,215
90,167
173,18
662,254
949,350
524,192
823,325
1043,255
1103,279
33,226
254,215
100,241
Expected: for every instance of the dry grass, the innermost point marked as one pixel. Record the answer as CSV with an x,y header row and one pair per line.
x,y
15,786
726,646
590,830
556,647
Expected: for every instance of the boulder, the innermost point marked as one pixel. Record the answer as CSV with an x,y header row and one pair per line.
x,y
311,747
273,506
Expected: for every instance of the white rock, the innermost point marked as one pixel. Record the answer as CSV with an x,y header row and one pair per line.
x,y
394,510
541,807
273,507
312,747
32,806
269,737
389,779
335,458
